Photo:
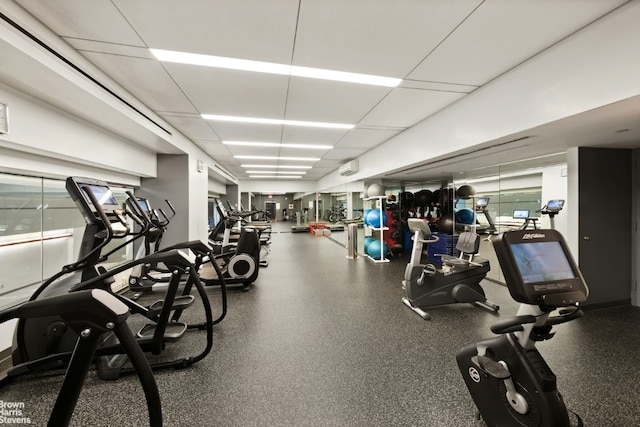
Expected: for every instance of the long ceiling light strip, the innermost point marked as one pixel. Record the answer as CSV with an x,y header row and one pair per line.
x,y
264,121
276,172
272,68
277,144
301,159
276,166
274,176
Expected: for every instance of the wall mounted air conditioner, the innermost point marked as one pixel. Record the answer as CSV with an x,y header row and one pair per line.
x,y
348,168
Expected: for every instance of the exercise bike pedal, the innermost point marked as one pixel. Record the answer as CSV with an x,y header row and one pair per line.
x,y
491,367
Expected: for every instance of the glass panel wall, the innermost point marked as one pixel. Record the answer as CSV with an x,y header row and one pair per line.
x,y
40,231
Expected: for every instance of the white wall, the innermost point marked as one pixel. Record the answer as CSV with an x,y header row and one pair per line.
x,y
46,141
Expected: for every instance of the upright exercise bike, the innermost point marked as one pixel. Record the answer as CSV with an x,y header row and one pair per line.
x,y
509,380
457,281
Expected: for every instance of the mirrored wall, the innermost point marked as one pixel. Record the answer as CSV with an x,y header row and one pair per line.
x,y
487,201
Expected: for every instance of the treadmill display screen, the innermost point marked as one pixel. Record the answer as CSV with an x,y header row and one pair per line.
x,y
482,203
542,262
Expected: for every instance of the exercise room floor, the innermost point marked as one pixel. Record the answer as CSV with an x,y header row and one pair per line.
x,y
321,340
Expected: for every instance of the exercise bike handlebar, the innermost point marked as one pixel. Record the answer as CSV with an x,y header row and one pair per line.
x,y
515,323
433,239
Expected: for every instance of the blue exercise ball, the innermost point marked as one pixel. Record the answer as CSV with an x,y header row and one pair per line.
x,y
367,242
365,221
374,220
465,216
376,251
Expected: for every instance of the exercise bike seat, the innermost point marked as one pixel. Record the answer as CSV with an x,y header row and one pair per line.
x,y
468,245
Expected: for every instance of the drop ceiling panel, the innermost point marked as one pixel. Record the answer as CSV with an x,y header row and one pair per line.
x,y
232,93
83,45
302,152
365,138
145,79
342,154
501,34
216,150
405,107
229,131
90,20
250,29
194,128
253,151
327,101
386,38
308,135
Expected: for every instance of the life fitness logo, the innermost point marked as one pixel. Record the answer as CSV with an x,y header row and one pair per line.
x,y
474,374
531,236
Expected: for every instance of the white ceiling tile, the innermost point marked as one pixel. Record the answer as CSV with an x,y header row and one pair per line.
x,y
232,93
218,151
444,87
405,107
229,131
194,128
115,49
501,34
343,154
309,135
145,79
385,38
90,20
249,29
365,138
301,152
328,101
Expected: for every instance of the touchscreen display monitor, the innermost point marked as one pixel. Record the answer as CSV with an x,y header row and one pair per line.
x,y
103,195
482,202
542,262
520,214
555,204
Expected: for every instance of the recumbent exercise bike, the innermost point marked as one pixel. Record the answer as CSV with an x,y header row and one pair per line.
x,y
507,377
457,281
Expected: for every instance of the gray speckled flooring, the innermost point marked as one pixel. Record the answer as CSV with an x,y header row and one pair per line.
x,y
321,340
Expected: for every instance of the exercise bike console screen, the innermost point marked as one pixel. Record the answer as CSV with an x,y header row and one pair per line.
x,y
539,269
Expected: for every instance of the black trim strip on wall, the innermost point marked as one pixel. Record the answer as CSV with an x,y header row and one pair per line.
x,y
78,69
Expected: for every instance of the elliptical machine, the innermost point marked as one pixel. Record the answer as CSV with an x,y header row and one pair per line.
x,y
507,377
457,281
46,342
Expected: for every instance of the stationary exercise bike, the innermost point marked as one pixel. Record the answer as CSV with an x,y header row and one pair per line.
x,y
507,377
457,281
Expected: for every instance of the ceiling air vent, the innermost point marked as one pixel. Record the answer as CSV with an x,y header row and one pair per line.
x,y
348,168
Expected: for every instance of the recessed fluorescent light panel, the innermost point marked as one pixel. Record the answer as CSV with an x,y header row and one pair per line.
x,y
277,144
277,172
274,176
300,159
276,166
259,120
272,68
